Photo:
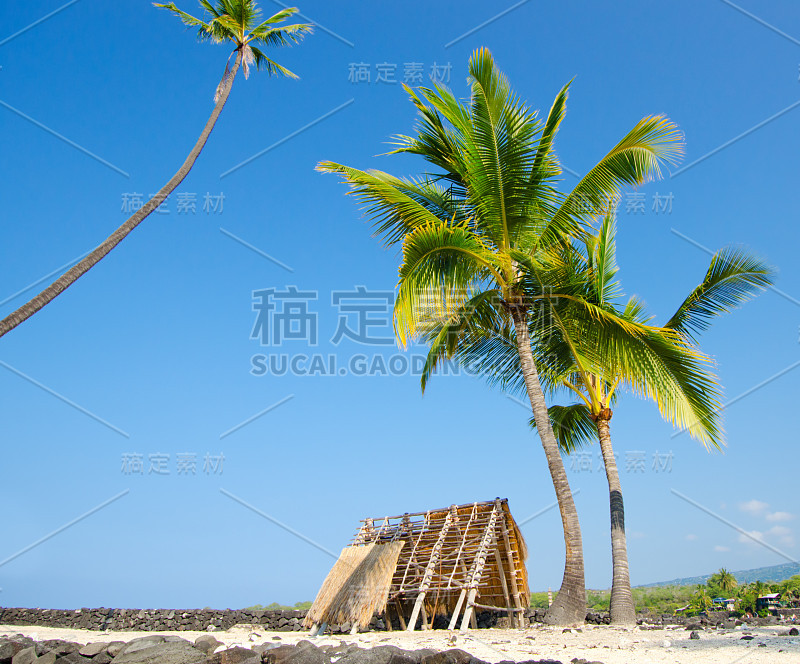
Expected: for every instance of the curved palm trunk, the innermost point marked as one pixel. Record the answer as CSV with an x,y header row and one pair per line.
x,y
622,610
79,269
569,606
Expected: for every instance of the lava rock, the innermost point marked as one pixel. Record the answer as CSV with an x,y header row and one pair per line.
x,y
10,647
382,655
25,656
304,652
115,647
92,649
235,655
452,656
207,643
173,652
57,646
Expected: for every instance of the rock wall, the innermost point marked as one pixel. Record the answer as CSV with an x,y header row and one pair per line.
x,y
151,620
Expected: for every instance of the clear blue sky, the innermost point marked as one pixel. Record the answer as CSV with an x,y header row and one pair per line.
x,y
155,343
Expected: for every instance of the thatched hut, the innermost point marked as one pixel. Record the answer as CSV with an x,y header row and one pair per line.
x,y
448,561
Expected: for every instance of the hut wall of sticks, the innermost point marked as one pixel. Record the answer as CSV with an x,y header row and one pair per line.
x,y
414,567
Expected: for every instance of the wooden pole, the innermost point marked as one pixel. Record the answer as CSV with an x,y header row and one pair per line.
x,y
460,564
400,614
428,575
477,567
503,582
387,618
512,565
457,610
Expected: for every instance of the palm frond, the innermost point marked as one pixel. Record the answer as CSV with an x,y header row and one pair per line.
x,y
573,426
546,165
283,36
504,132
733,277
397,206
461,324
271,67
633,161
204,30
602,256
442,266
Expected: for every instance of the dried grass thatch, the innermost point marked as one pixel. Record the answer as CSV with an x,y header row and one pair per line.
x,y
357,587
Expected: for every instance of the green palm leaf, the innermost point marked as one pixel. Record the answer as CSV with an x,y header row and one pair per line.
x,y
573,426
633,161
733,277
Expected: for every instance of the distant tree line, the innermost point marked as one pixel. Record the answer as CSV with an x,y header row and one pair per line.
x,y
699,598
300,606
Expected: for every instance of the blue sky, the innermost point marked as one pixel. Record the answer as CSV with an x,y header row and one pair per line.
x,y
151,353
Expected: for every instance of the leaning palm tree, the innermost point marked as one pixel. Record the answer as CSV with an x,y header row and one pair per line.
x,y
663,366
235,21
477,234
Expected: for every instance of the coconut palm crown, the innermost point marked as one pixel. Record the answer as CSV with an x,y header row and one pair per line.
x,y
239,22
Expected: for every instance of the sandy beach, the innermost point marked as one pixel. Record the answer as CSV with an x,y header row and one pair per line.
x,y
605,644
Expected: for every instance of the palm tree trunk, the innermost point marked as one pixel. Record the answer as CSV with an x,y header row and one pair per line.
x,y
569,606
79,269
622,610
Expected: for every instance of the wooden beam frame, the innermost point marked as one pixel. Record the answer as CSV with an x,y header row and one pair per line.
x,y
477,567
428,575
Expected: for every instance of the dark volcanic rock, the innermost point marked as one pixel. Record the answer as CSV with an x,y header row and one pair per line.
x,y
381,655
235,656
207,643
92,649
10,647
453,656
25,656
57,646
173,652
304,652
49,658
72,658
115,647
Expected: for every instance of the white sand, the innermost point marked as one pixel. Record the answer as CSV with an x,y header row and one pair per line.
x,y
610,645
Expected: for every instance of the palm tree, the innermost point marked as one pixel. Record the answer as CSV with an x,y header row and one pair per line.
x,y
723,580
477,236
701,601
663,366
236,21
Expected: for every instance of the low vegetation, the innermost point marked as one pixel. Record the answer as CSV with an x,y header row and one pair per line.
x,y
300,606
699,598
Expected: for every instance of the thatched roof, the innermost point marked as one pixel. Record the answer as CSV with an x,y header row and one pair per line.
x,y
431,559
358,585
